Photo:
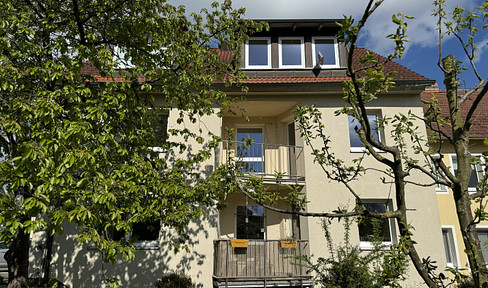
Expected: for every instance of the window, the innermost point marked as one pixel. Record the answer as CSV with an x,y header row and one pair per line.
x,y
250,149
483,237
439,188
371,228
159,122
250,222
354,140
327,47
258,53
160,126
145,234
291,53
121,58
476,173
450,246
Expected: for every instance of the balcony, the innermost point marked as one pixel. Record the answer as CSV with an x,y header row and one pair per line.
x,y
265,160
264,263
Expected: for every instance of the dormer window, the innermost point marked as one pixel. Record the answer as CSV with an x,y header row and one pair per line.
x,y
291,52
258,52
325,52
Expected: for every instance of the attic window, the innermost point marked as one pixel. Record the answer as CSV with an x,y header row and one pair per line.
x,y
258,52
291,52
325,52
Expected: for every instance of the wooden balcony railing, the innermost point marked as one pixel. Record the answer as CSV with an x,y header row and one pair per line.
x,y
260,260
265,160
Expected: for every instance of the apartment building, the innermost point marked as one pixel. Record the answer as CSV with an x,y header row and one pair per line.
x,y
296,62
451,233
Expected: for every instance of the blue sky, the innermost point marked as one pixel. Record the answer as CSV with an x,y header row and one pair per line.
x,y
422,51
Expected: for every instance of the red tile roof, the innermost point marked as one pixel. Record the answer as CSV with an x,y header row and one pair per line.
x,y
296,80
404,74
480,116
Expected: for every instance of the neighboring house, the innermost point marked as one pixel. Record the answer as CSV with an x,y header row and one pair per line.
x,y
453,242
284,71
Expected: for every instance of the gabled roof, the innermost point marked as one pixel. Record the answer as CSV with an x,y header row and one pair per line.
x,y
480,116
404,74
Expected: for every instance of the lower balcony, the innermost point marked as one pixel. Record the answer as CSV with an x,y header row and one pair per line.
x,y
261,263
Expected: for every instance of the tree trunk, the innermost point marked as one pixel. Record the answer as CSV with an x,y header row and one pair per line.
x,y
18,260
404,232
46,263
462,200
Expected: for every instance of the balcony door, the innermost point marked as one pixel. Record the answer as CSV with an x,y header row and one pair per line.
x,y
250,150
250,222
291,149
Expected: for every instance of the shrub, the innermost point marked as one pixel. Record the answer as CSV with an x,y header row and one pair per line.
x,y
348,266
174,280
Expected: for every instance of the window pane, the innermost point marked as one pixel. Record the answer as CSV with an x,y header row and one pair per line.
x,y
354,139
368,227
326,48
291,52
258,52
160,125
483,237
477,171
447,245
146,231
250,222
251,155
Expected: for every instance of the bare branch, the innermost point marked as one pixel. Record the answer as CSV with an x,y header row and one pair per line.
x,y
468,120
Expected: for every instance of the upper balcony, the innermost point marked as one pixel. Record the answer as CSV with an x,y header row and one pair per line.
x,y
271,162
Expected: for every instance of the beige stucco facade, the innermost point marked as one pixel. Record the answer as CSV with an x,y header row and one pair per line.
x,y
269,107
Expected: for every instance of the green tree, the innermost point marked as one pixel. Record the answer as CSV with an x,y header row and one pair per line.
x,y
409,153
80,149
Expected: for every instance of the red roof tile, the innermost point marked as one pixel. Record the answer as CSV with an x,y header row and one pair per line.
x,y
296,80
403,72
480,116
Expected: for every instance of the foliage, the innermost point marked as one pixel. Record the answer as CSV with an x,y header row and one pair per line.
x,y
348,266
174,280
406,152
79,148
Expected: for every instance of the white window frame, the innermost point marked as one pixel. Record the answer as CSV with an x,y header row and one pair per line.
x,y
336,52
254,159
147,244
247,65
367,245
439,189
451,156
483,228
453,248
141,244
361,149
302,52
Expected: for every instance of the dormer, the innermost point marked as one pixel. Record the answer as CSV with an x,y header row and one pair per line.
x,y
295,45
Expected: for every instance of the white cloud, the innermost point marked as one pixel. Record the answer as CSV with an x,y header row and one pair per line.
x,y
483,48
421,30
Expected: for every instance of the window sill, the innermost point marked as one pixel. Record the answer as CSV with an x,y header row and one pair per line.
x,y
257,68
363,149
452,265
137,246
368,246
